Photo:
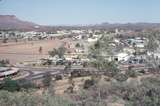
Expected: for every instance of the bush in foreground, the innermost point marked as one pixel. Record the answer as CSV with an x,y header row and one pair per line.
x,y
10,85
31,99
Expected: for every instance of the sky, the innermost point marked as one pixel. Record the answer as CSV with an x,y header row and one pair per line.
x,y
82,12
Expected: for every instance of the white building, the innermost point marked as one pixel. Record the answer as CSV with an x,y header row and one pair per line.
x,y
92,40
122,56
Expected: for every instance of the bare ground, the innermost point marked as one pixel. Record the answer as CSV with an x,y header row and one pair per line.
x,y
29,51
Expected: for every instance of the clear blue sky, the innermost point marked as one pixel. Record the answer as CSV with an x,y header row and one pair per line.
x,y
69,12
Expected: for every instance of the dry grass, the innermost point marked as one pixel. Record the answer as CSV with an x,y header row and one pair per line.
x,y
62,85
27,51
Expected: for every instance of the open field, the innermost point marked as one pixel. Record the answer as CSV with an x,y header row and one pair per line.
x,y
29,51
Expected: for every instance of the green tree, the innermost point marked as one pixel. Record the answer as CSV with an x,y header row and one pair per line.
x,y
47,78
101,52
60,52
10,85
88,83
110,68
103,48
77,45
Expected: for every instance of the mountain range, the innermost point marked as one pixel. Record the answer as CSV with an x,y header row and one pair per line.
x,y
11,22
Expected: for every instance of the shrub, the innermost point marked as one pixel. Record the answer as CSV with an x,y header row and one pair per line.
x,y
85,64
147,94
88,83
47,78
58,77
121,77
142,71
3,63
77,45
10,85
131,73
26,84
76,73
30,99
70,89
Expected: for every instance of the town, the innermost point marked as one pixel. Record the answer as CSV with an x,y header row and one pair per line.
x,y
79,53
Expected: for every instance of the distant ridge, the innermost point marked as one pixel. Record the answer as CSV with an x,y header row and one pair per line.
x,y
130,26
11,22
8,22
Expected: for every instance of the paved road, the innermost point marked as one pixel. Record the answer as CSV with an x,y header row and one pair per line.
x,y
38,73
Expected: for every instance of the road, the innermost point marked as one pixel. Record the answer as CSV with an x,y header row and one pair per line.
x,y
38,73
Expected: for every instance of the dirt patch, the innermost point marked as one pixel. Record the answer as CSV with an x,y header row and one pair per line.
x,y
29,51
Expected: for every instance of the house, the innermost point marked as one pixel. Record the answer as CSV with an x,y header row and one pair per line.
x,y
137,42
92,40
122,56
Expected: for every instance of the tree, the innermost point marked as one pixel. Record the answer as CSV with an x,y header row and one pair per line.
x,y
85,64
51,89
40,49
110,68
77,45
47,78
147,94
68,66
88,83
135,49
130,72
103,48
70,89
3,63
10,85
53,52
60,52
152,44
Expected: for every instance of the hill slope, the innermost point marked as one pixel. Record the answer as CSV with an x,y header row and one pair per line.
x,y
12,22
